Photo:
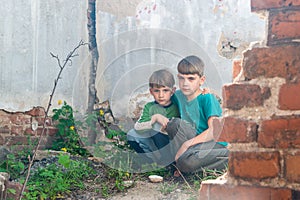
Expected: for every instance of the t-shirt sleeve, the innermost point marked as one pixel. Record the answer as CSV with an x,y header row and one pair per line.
x,y
145,115
212,107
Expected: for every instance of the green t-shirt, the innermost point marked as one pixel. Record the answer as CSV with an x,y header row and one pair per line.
x,y
153,108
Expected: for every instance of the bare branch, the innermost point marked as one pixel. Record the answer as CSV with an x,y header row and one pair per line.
x,y
68,59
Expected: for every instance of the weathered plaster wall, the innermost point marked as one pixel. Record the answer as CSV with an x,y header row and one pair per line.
x,y
29,31
134,38
159,33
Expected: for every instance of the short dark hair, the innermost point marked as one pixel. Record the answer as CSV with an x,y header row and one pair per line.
x,y
191,65
161,78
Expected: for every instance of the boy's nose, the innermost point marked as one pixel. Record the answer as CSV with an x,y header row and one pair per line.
x,y
185,82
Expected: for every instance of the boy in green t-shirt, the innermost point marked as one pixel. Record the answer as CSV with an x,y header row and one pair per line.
x,y
191,139
148,137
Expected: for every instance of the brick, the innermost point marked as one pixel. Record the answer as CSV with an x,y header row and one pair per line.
x,y
237,96
39,131
257,5
234,130
17,130
4,118
283,27
254,165
214,191
52,131
4,129
19,119
276,61
236,68
36,111
2,140
289,97
18,140
292,170
280,133
29,131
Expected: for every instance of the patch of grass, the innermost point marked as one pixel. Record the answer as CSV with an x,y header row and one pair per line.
x,y
55,180
166,188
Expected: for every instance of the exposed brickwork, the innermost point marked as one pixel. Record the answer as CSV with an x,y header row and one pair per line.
x,y
234,130
269,4
36,111
289,97
254,165
280,133
273,157
284,26
237,96
19,140
279,61
228,192
292,169
16,128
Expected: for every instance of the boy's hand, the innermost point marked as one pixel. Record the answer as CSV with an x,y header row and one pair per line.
x,y
205,91
162,120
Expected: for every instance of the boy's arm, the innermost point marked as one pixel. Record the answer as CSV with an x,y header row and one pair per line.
x,y
162,120
146,120
205,136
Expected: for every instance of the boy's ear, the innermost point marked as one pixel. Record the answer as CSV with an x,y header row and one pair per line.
x,y
173,90
202,80
150,90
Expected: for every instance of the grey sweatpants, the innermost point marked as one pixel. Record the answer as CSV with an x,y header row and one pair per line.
x,y
207,155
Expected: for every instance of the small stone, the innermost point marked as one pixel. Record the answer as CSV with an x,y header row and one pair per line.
x,y
155,178
128,183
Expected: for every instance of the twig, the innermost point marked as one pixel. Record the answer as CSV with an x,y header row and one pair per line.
x,y
182,177
68,59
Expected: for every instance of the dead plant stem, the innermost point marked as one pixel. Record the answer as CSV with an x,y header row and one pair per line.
x,y
68,60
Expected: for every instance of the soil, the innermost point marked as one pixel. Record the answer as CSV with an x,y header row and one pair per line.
x,y
139,188
153,191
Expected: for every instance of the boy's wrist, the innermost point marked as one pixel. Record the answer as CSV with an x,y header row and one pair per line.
x,y
153,119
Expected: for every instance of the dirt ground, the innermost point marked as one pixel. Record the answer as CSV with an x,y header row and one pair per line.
x,y
144,190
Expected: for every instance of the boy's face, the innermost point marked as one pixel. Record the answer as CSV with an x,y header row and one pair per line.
x,y
162,95
190,84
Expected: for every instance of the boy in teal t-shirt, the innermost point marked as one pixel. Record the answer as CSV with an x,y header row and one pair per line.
x,y
191,139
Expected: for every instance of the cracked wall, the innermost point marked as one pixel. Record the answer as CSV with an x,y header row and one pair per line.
x,y
133,39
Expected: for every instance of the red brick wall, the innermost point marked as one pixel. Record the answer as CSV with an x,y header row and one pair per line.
x,y
17,128
262,109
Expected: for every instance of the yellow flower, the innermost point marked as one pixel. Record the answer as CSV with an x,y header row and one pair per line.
x,y
64,149
59,102
72,128
101,112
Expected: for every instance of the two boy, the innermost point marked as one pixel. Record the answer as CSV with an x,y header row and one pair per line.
x,y
191,143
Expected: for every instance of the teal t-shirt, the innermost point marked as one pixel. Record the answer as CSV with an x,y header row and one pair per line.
x,y
199,110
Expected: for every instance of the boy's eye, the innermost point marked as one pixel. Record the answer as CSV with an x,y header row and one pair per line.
x,y
191,78
166,90
155,91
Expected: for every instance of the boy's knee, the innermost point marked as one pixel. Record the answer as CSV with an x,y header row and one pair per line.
x,y
186,167
172,127
129,136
